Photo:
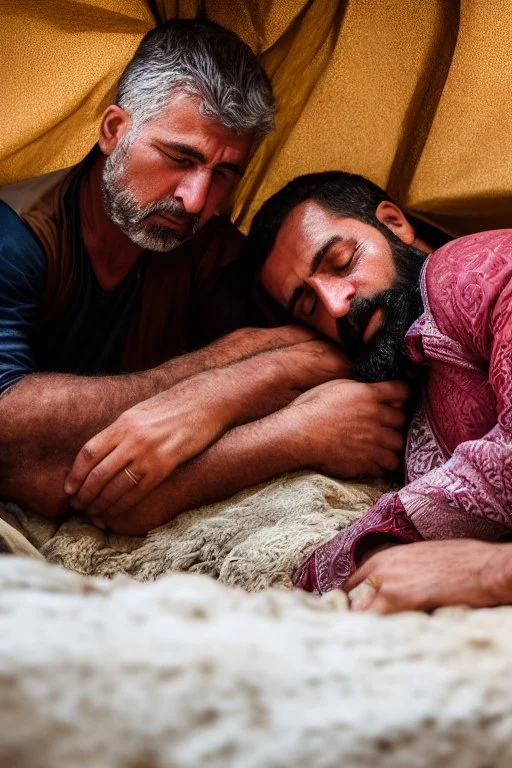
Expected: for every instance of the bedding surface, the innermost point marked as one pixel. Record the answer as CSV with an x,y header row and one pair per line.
x,y
254,540
187,672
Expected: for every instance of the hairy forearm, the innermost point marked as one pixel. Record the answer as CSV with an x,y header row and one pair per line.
x,y
268,381
244,456
49,415
46,418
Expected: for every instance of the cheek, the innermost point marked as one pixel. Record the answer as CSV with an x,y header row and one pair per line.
x,y
151,179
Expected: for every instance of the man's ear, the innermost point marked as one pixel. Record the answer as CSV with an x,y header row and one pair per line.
x,y
114,125
392,217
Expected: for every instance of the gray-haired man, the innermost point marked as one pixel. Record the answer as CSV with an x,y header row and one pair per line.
x,y
120,266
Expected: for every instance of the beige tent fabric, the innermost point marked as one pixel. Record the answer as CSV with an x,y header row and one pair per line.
x,y
414,95
254,540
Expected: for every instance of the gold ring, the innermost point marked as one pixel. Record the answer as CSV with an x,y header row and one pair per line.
x,y
373,581
134,479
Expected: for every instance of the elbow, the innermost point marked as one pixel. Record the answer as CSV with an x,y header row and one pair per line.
x,y
36,490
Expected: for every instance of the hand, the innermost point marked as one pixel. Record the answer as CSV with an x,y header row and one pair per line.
x,y
430,574
128,459
347,429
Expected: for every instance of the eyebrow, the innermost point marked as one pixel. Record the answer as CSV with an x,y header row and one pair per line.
x,y
315,263
194,154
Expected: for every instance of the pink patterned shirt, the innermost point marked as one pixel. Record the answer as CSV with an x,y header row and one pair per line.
x,y
459,445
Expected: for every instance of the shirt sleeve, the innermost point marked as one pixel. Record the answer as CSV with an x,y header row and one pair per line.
x,y
331,564
469,496
23,268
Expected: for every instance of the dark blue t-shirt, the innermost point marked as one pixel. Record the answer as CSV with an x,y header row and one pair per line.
x,y
89,335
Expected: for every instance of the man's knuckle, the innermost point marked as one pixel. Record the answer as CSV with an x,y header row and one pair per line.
x,y
87,453
128,420
94,480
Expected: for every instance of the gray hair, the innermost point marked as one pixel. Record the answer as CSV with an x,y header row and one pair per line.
x,y
202,59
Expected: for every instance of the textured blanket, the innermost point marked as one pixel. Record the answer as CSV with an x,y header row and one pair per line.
x,y
254,540
189,673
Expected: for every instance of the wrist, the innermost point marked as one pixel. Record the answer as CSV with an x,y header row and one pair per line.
x,y
294,441
496,574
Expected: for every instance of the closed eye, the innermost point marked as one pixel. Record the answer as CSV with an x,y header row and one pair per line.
x,y
221,174
180,161
183,161
342,264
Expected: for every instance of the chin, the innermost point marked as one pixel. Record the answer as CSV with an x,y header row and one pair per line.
x,y
161,241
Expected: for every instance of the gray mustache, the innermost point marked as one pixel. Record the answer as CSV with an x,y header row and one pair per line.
x,y
171,208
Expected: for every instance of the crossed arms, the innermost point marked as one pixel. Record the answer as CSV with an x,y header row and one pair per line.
x,y
252,405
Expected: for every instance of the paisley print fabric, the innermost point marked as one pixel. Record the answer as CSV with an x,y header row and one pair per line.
x,y
459,444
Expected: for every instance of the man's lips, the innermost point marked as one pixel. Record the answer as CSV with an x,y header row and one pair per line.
x,y
373,325
179,225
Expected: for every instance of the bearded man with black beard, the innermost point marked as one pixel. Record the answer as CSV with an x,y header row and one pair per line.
x,y
339,255
329,249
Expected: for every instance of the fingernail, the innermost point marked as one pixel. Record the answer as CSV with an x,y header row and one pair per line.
x,y
69,487
75,504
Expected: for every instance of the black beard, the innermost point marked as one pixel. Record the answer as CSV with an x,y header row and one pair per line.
x,y
385,356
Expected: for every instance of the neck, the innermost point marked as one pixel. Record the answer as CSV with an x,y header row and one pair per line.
x,y
112,254
422,245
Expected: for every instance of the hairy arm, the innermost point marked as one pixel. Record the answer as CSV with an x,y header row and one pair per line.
x,y
342,428
46,418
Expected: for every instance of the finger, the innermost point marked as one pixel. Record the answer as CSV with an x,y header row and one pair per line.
x,y
358,576
99,477
88,457
362,596
391,416
373,469
392,391
387,459
112,492
390,439
98,522
120,503
134,496
384,604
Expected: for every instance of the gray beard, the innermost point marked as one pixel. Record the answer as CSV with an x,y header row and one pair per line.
x,y
131,218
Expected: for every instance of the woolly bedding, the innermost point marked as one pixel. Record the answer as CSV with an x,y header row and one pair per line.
x,y
187,672
253,540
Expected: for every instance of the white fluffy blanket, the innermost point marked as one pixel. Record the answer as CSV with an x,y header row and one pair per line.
x,y
189,673
254,540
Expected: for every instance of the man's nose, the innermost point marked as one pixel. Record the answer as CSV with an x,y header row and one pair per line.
x,y
193,190
335,293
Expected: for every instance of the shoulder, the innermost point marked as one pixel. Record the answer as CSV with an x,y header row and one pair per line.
x,y
464,280
483,252
21,253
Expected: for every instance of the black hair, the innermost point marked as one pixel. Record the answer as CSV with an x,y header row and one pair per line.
x,y
341,193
